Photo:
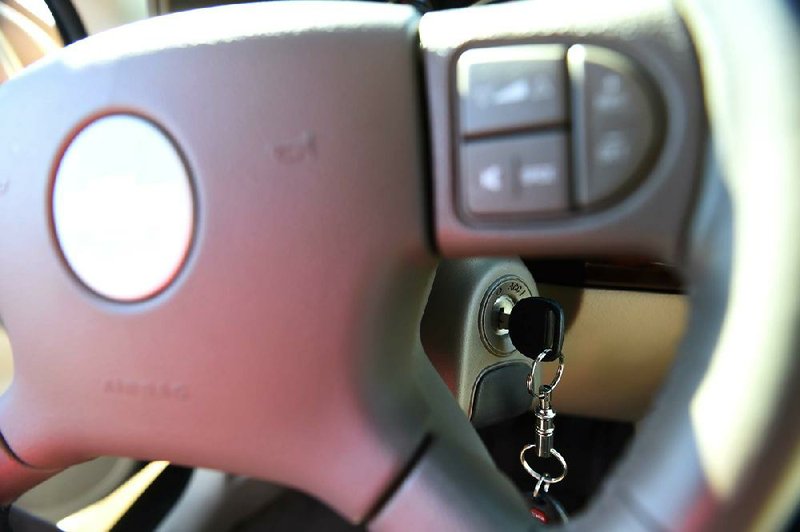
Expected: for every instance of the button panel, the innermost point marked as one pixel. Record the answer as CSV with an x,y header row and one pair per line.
x,y
547,131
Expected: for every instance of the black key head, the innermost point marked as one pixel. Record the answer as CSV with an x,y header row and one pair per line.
x,y
536,324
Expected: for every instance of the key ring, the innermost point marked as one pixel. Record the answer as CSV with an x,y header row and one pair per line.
x,y
552,386
545,479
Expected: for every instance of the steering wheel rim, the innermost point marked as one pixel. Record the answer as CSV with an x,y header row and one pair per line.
x,y
423,467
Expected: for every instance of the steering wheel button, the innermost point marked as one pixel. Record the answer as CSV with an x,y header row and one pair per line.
x,y
511,87
521,175
611,148
614,120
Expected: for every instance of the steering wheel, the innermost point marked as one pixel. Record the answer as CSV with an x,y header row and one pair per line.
x,y
219,229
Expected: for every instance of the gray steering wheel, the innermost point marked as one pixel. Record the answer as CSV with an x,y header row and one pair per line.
x,y
246,293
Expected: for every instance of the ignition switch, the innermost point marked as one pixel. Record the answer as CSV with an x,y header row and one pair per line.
x,y
495,310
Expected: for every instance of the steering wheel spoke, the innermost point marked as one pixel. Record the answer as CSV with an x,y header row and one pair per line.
x,y
298,128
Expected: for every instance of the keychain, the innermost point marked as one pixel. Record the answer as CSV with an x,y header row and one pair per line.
x,y
533,323
541,504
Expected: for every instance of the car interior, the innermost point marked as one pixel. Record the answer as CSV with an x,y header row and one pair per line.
x,y
332,265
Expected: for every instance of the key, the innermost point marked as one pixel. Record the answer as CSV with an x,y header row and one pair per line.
x,y
546,509
536,328
536,324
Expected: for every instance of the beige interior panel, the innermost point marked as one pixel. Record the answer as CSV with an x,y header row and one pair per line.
x,y
76,488
37,13
27,33
214,501
619,346
99,15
